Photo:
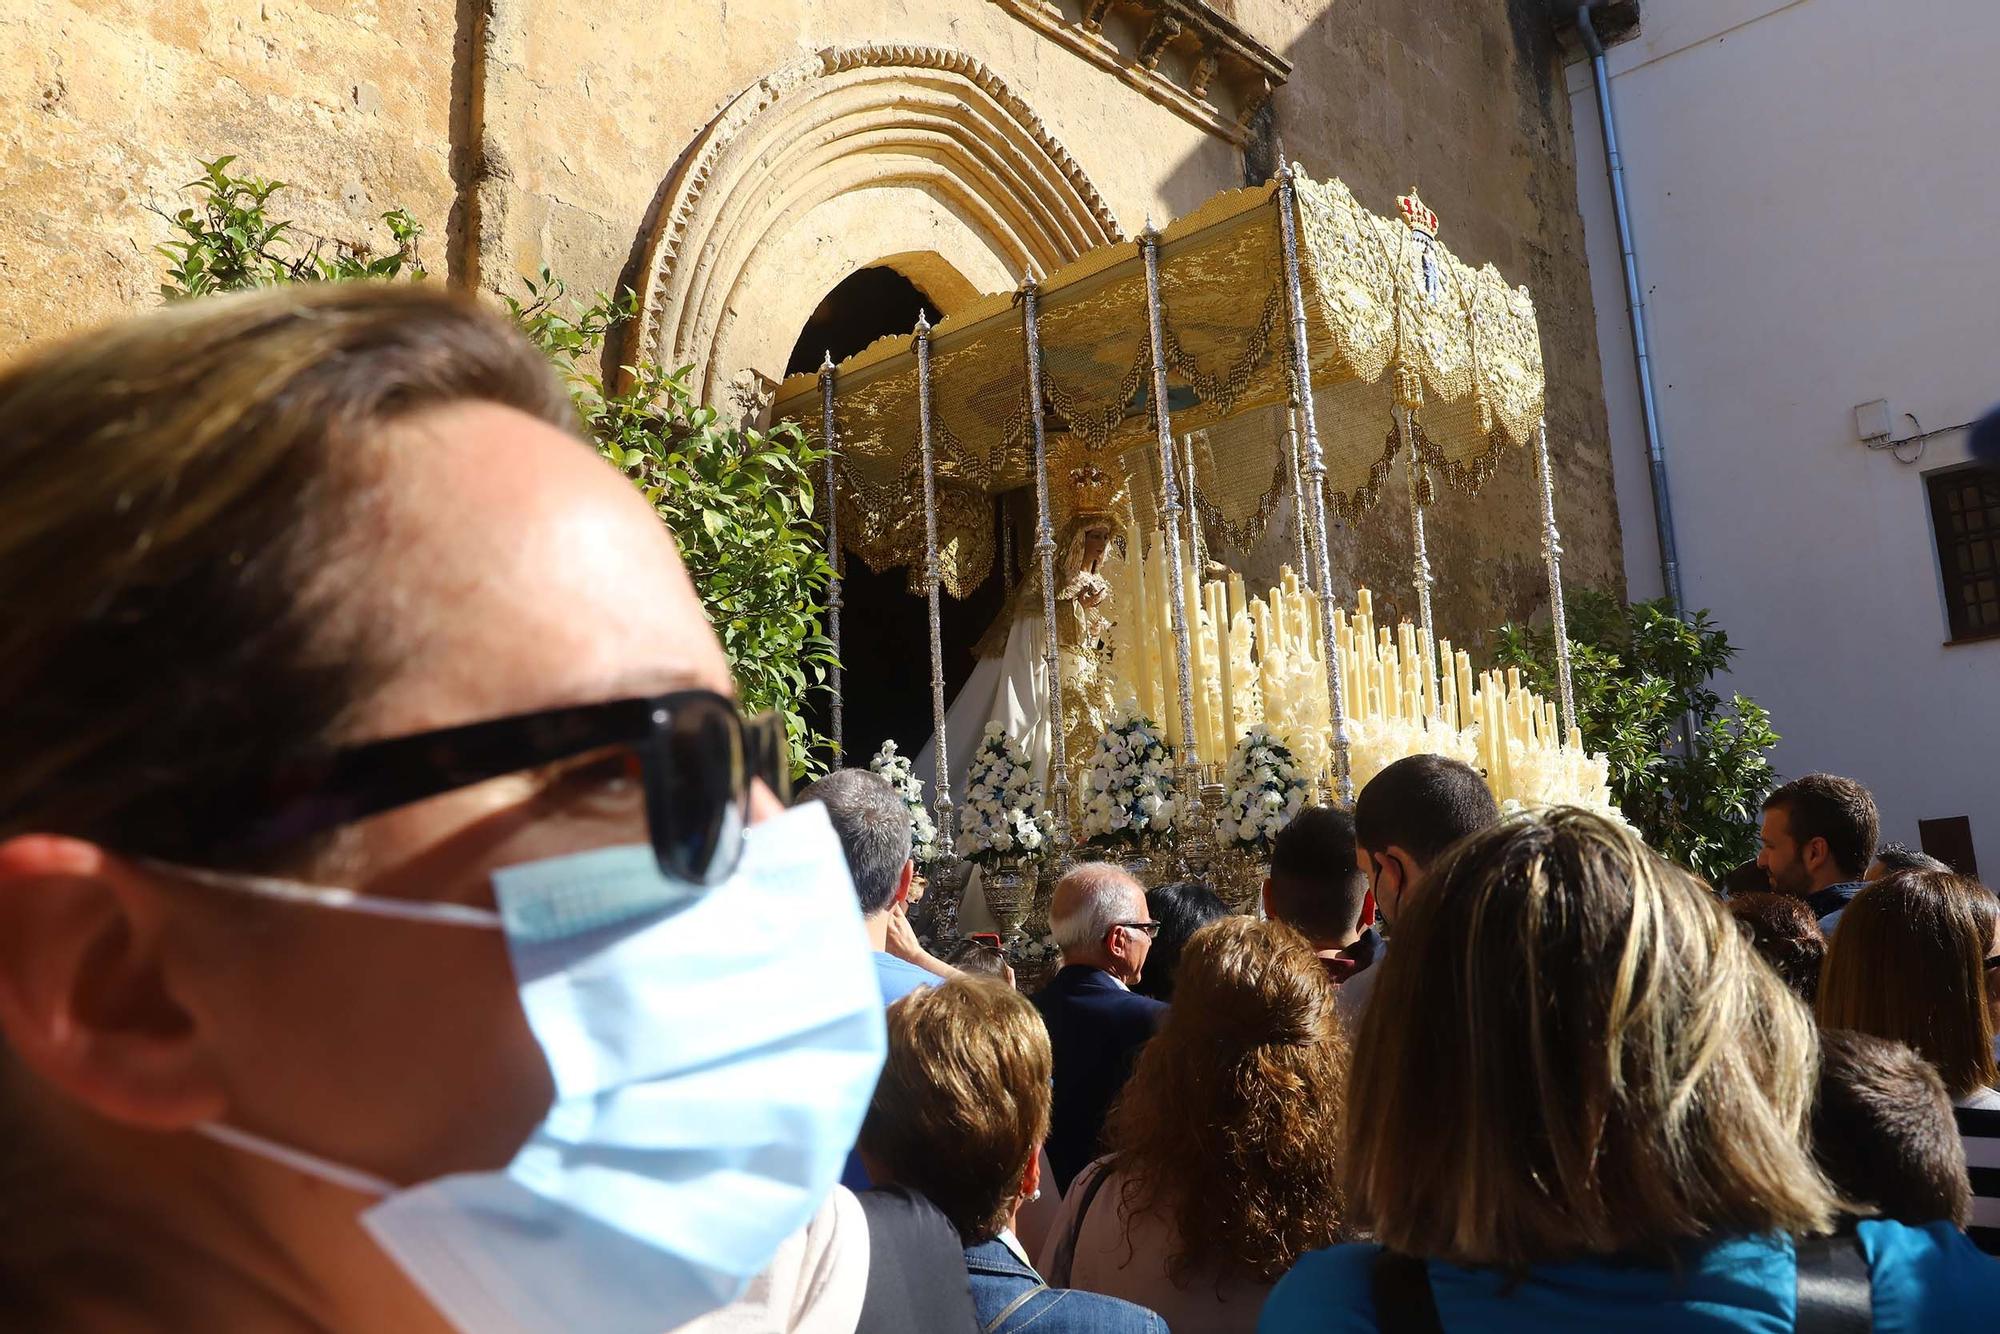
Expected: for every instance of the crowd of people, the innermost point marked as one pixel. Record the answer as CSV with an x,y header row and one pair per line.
x,y
402,928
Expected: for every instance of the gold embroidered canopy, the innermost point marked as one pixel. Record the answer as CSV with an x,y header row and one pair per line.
x,y
1393,319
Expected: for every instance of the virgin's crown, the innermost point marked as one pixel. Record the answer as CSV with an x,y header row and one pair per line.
x,y
1094,491
1418,217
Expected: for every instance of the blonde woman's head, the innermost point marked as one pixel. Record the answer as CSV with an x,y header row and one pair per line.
x,y
1572,1050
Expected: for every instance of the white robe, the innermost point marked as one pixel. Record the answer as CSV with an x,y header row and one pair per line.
x,y
1012,690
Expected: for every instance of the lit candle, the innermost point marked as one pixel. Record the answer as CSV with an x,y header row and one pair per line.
x,y
1140,635
1267,666
1163,626
1466,702
1427,671
1450,701
1204,723
1218,610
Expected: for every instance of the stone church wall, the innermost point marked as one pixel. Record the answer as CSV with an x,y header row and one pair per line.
x,y
524,134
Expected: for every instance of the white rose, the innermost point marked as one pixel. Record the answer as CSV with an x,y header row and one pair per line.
x,y
1272,801
1150,804
1247,831
1119,819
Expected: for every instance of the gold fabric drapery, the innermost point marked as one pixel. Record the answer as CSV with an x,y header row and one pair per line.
x,y
1393,319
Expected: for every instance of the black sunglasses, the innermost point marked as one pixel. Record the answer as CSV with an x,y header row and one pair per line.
x,y
1151,929
694,752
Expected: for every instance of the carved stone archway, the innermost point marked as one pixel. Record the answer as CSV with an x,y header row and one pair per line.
x,y
914,156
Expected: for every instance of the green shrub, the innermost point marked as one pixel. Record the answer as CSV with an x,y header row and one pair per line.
x,y
1638,671
739,502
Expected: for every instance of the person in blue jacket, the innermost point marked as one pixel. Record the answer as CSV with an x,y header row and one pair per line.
x,y
959,1118
1578,1102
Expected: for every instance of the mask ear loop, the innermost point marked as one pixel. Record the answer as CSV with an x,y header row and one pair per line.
x,y
344,900
347,1178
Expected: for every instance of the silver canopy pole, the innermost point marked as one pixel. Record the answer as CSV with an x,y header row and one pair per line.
x,y
1343,777
1420,554
1045,552
1149,247
832,547
1299,553
1552,558
941,786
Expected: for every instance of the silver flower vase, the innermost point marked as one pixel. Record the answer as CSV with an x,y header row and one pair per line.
x,y
1237,873
1009,886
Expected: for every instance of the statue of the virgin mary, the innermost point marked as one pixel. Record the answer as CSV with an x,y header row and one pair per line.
x,y
1010,682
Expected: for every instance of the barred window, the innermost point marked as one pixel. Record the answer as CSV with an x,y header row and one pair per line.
x,y
1965,512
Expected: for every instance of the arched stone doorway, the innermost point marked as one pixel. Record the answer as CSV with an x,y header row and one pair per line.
x,y
915,157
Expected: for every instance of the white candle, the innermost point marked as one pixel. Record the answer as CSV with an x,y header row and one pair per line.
x,y
1204,724
1218,607
1163,628
1145,681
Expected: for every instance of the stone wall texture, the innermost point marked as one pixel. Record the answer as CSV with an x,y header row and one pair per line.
x,y
526,134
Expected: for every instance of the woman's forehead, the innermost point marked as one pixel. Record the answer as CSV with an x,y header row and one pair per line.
x,y
517,570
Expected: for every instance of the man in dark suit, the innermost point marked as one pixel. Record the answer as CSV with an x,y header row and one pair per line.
x,y
1096,1022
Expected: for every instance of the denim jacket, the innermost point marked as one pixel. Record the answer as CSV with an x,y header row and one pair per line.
x,y
1011,1299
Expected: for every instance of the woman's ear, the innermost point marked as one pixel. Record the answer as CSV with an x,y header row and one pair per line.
x,y
85,1003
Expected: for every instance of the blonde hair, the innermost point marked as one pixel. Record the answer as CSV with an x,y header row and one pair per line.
x,y
1909,964
1572,1050
174,492
963,1103
1229,1128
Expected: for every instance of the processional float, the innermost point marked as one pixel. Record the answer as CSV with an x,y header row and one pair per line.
x,y
1294,347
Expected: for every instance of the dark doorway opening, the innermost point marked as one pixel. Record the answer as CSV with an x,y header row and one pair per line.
x,y
866,305
885,655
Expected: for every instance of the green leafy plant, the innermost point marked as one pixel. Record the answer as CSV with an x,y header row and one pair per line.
x,y
738,501
229,241
1638,671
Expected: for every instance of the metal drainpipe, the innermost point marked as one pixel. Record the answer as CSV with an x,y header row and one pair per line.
x,y
1635,308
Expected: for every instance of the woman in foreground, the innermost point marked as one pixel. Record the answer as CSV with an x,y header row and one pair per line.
x,y
377,842
1579,1103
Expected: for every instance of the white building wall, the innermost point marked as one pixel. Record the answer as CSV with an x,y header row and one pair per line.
x,y
1815,196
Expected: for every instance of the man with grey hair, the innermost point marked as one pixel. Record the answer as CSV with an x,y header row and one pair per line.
x,y
874,830
873,826
1096,1022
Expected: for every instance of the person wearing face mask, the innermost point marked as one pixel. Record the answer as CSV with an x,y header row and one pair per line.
x,y
398,930
1404,819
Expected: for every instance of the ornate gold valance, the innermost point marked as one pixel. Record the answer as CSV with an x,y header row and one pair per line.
x,y
1393,319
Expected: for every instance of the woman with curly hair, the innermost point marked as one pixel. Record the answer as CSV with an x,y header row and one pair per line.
x,y
1225,1143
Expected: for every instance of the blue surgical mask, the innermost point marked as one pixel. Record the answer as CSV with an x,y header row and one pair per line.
x,y
713,1051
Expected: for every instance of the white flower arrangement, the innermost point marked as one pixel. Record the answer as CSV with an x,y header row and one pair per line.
x,y
896,770
1130,797
1003,814
1374,744
1266,789
1513,806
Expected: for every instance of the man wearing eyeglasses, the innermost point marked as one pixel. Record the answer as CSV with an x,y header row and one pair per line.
x,y
1096,1022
